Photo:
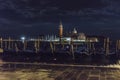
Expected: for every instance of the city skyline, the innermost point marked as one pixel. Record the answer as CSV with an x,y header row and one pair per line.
x,y
29,17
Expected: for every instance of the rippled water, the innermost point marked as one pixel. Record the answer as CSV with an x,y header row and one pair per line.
x,y
31,69
43,71
22,71
26,74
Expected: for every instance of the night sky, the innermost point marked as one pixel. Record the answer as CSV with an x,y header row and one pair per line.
x,y
33,17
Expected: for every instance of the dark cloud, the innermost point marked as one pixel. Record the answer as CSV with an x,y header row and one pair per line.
x,y
42,16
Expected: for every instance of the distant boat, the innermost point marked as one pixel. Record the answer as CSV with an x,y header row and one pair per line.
x,y
62,53
27,52
112,55
82,52
9,51
98,54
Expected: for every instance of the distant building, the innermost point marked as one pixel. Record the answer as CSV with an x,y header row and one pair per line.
x,y
60,30
81,36
95,38
75,36
74,31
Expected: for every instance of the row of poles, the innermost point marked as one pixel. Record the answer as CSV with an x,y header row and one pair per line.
x,y
11,44
91,46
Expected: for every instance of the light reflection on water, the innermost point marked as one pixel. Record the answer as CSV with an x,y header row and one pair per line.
x,y
25,74
34,71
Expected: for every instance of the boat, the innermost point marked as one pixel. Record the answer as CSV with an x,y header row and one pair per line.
x,y
82,52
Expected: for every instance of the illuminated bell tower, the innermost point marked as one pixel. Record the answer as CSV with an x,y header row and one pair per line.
x,y
60,31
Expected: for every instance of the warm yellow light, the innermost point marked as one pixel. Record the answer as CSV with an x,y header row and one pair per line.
x,y
60,30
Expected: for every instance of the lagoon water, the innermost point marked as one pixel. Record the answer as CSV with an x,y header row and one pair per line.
x,y
26,71
50,70
44,71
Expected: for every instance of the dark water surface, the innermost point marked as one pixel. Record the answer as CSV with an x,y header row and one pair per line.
x,y
45,71
60,68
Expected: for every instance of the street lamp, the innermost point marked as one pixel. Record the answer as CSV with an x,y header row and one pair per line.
x,y
24,43
23,39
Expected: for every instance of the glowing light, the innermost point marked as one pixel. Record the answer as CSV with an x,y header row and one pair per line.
x,y
23,39
68,39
